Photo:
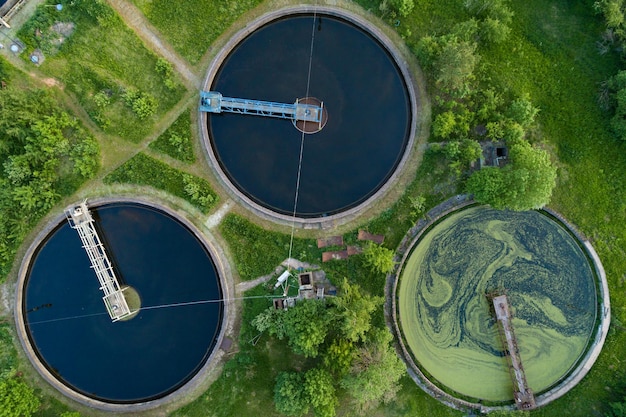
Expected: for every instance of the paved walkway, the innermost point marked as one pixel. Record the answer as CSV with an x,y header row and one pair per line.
x,y
136,21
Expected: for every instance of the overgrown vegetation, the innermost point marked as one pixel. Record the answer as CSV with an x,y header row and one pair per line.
x,y
142,169
176,140
124,87
45,154
191,26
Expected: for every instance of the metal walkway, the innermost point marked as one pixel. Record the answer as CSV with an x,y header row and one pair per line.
x,y
214,102
524,397
80,219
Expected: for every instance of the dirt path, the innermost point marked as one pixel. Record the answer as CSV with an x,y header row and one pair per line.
x,y
289,262
136,21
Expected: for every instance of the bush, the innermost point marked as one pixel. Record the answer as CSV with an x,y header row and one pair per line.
x,y
17,398
176,140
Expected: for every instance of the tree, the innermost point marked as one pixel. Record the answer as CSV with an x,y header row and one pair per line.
x,y
17,398
522,111
525,183
487,185
455,64
353,311
379,258
418,206
494,30
290,397
306,327
320,390
375,373
339,356
444,125
272,320
469,151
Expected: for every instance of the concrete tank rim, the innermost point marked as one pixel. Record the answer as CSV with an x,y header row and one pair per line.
x,y
225,281
415,100
564,384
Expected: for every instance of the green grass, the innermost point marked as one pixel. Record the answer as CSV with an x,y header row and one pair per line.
x,y
99,62
257,251
145,170
8,355
191,26
176,140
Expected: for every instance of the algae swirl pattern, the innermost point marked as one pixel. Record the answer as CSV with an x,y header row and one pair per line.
x,y
445,315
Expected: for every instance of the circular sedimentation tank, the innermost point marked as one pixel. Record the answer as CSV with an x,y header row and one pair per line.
x,y
367,127
445,318
172,284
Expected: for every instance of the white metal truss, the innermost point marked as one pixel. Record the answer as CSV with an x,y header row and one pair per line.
x,y
81,220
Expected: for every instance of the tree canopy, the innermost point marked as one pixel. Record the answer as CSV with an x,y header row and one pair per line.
x,y
355,355
525,183
17,398
379,258
44,153
375,372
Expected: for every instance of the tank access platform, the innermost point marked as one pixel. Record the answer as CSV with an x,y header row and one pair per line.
x,y
524,397
214,102
81,220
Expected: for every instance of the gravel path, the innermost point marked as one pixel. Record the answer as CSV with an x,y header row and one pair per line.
x,y
136,21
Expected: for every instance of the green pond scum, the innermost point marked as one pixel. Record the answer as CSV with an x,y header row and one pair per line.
x,y
445,315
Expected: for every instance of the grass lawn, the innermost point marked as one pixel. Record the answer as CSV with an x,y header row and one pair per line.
x,y
176,140
191,26
145,170
105,65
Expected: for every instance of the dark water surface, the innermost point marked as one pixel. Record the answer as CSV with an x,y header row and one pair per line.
x,y
368,116
143,358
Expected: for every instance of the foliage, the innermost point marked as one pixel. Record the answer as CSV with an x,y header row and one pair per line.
x,y
104,64
526,183
379,258
617,409
17,398
142,169
165,68
339,356
375,372
142,104
306,327
614,12
403,7
290,396
184,23
455,64
176,140
352,312
44,153
495,18
418,206
320,390
522,112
